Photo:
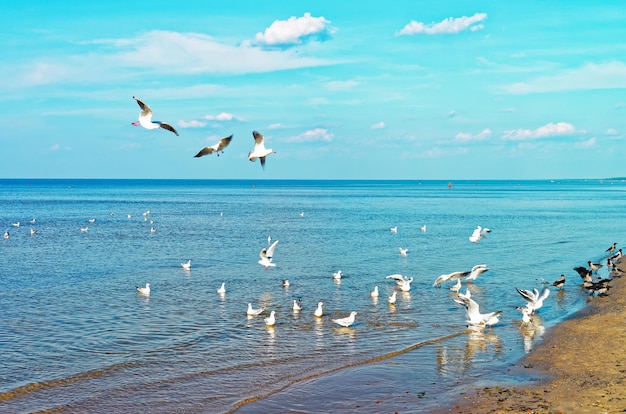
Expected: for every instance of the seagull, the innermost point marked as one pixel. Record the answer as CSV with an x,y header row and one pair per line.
x,y
318,312
526,314
259,151
146,213
347,321
254,312
33,232
84,229
398,278
474,317
297,305
403,252
467,294
456,287
559,282
394,229
392,298
611,249
16,224
337,275
594,266
374,293
6,235
534,298
302,214
92,220
145,118
266,255
450,276
424,228
222,289
285,283
219,148
479,233
187,265
144,290
152,230
477,271
270,320
32,221
406,285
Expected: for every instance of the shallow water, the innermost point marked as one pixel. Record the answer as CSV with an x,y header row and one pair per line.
x,y
76,335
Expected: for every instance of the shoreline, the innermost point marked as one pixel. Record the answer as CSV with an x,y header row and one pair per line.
x,y
580,363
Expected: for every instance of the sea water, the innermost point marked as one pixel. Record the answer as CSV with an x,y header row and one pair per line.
x,y
76,335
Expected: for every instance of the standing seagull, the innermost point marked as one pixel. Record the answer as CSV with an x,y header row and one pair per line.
x,y
347,321
145,118
259,151
219,148
144,290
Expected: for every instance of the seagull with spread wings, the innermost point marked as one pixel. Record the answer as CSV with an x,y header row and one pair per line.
x,y
145,118
218,148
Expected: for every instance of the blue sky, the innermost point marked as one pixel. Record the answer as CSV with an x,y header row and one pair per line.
x,y
340,90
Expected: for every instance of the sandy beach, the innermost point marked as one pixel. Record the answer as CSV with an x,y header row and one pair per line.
x,y
581,362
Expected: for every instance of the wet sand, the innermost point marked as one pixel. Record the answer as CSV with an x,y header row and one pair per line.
x,y
581,365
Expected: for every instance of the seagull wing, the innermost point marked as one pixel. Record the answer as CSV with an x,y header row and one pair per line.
x,y
168,127
395,276
224,143
270,250
145,109
204,151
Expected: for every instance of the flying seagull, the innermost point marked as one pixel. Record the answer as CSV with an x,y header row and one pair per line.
x,y
259,151
145,118
219,147
266,256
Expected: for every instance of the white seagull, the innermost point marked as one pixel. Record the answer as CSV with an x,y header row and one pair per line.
x,y
392,298
286,283
457,286
297,305
186,266
478,234
394,229
534,298
405,286
477,271
403,252
270,320
337,275
84,229
374,293
145,118
222,288
474,317
266,255
144,290
526,318
219,148
424,228
398,278
318,311
33,232
347,321
16,224
259,151
450,276
254,312
6,235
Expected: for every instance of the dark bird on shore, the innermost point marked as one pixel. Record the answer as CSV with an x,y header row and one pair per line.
x,y
594,267
611,249
582,271
559,282
599,288
615,271
617,256
219,147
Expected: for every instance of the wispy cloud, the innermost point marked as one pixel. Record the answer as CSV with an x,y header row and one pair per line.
x,y
222,116
548,130
378,125
481,136
446,26
276,126
295,31
341,85
612,131
317,134
591,142
55,147
608,75
191,124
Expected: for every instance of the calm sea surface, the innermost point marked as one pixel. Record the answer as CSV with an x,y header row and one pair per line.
x,y
76,336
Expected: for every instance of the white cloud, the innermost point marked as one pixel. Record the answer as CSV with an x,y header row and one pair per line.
x,y
191,124
608,75
223,116
482,135
276,126
295,31
612,131
378,125
548,130
591,142
506,110
446,26
55,147
317,134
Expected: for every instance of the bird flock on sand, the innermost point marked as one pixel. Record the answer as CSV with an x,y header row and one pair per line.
x,y
258,151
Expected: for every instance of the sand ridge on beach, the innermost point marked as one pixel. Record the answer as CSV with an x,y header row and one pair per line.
x,y
582,360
